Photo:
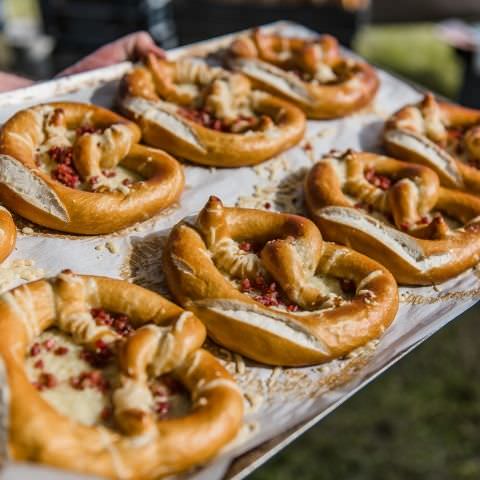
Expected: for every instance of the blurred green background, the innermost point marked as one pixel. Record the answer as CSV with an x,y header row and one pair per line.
x,y
419,421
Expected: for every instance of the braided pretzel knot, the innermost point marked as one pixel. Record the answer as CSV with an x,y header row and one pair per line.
x,y
206,264
60,167
440,135
310,73
207,115
166,340
407,230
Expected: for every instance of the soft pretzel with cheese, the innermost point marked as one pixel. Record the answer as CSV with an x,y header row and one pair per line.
x,y
308,72
440,135
396,213
68,166
206,114
164,338
296,301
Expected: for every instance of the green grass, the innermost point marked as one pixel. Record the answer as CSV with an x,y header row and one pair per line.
x,y
420,420
414,51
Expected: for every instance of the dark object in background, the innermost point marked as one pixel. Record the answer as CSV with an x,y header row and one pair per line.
x,y
81,26
201,19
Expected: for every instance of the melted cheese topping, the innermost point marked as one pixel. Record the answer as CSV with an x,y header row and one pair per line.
x,y
88,405
59,136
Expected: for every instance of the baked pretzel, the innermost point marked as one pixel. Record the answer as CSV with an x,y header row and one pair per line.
x,y
206,114
310,73
396,213
441,135
136,445
68,166
296,301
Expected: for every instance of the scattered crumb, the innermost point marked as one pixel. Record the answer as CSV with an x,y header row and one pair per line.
x,y
21,269
239,363
27,230
111,247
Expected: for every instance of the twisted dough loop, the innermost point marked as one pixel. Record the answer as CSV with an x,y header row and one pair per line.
x,y
36,195
152,95
310,73
295,257
145,449
423,248
440,135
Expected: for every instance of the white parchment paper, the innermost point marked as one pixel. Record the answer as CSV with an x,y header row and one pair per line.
x,y
276,399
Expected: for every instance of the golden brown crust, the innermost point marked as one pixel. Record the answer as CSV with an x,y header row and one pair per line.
x,y
34,194
417,247
8,234
324,85
422,133
292,255
161,448
149,96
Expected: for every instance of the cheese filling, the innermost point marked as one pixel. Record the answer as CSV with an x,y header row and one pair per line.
x,y
80,383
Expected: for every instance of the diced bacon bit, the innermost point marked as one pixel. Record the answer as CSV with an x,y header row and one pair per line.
x,y
172,385
267,205
61,155
65,172
364,206
92,181
119,322
49,344
109,173
206,119
424,221
57,117
161,408
347,286
308,147
106,413
126,182
92,379
475,163
455,133
405,226
38,364
380,181
60,351
100,357
66,175
268,293
35,349
245,246
46,380
84,129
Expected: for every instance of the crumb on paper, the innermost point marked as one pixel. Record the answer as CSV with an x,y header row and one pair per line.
x,y
27,230
111,247
274,376
254,400
11,273
99,246
239,363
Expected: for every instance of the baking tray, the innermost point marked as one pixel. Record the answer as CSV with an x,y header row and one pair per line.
x,y
281,403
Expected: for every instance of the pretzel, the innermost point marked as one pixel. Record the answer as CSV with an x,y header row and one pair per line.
x,y
68,166
137,445
206,114
310,73
396,213
284,305
440,135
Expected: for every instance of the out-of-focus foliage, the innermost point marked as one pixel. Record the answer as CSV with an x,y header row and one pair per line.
x,y
414,51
